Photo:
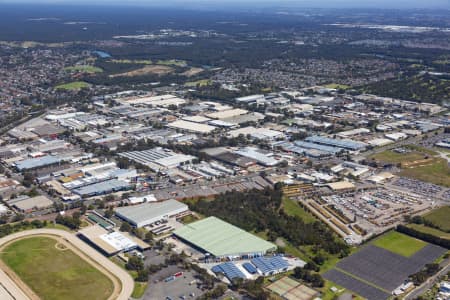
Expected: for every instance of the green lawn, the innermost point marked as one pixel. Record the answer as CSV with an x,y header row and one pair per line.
x,y
55,274
399,243
430,230
440,217
139,289
292,208
84,69
76,85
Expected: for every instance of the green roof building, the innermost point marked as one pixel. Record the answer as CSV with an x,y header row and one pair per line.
x,y
221,239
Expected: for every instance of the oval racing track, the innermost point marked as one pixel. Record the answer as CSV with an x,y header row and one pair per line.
x,y
9,288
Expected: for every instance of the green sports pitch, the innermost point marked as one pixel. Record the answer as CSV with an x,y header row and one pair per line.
x,y
399,243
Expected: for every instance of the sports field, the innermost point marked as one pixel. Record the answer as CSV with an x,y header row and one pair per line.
x,y
55,272
399,243
76,85
440,217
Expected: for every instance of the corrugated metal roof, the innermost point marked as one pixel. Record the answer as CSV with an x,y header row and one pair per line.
x,y
220,238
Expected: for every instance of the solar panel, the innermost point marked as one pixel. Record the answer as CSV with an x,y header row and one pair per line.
x,y
250,268
229,269
270,264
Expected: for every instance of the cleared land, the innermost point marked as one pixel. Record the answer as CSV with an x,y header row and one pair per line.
x,y
440,217
399,243
147,70
84,69
76,85
192,72
438,172
419,163
54,271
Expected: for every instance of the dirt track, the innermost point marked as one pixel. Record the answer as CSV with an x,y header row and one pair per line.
x,y
123,283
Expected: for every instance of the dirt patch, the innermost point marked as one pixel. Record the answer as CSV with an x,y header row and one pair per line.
x,y
192,72
147,70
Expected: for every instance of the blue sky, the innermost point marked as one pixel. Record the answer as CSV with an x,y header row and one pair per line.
x,y
262,3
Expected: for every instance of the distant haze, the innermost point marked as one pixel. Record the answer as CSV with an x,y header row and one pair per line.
x,y
382,4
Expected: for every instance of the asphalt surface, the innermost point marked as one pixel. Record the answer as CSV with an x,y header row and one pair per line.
x,y
430,282
122,292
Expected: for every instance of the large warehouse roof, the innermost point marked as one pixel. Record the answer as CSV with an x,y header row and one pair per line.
x,y
147,213
220,238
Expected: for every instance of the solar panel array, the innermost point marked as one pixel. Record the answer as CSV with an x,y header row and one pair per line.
x,y
229,269
249,268
270,264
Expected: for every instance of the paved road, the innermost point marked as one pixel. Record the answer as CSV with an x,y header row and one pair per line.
x,y
430,282
96,258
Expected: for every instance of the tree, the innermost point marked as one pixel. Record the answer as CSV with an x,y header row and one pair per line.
x,y
125,227
135,264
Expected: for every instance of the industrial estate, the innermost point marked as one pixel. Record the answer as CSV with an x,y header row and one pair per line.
x,y
139,164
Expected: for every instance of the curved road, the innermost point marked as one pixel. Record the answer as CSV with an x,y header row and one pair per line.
x,y
127,283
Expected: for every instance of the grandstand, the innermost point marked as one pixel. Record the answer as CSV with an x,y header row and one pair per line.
x,y
220,239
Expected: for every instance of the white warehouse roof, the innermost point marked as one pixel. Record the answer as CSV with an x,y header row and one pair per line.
x,y
148,213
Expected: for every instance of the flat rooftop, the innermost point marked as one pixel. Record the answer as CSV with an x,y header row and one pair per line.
x,y
220,238
142,213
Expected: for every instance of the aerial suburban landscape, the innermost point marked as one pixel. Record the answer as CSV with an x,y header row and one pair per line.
x,y
225,150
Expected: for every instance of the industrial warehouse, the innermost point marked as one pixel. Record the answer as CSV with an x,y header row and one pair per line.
x,y
148,213
221,239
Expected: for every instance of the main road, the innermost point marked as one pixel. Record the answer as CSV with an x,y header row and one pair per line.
x,y
124,284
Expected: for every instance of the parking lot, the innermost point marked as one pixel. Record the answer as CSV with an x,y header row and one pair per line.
x,y
182,287
380,208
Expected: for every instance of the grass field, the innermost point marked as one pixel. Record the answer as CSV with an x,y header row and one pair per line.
x,y
292,208
440,217
337,86
420,164
172,62
53,273
134,61
139,289
399,243
392,157
429,230
84,69
76,85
